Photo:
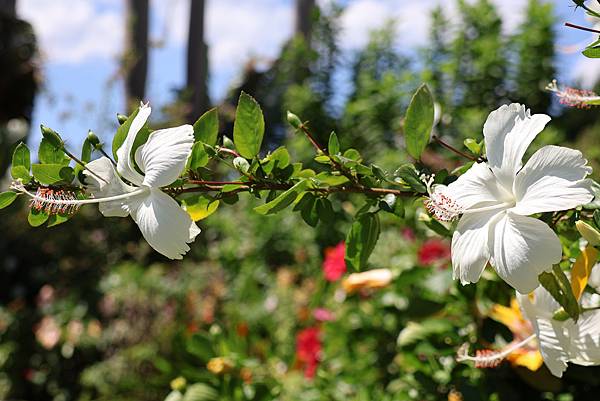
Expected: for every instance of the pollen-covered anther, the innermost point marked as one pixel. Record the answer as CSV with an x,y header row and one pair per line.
x,y
442,207
55,201
572,97
484,358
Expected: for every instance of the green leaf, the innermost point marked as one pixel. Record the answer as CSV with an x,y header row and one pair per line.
x,y
333,146
57,219
249,126
7,198
200,207
86,156
438,228
283,200
21,163
473,146
414,331
308,209
122,132
592,52
597,218
198,158
330,179
325,210
50,154
206,128
361,240
408,174
419,121
36,217
557,284
51,174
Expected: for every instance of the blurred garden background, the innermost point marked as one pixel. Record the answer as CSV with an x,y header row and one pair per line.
x,y
261,308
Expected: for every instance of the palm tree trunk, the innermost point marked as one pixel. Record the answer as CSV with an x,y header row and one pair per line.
x,y
304,14
136,51
197,62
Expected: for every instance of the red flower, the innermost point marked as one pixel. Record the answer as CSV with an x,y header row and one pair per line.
x,y
308,350
334,265
432,251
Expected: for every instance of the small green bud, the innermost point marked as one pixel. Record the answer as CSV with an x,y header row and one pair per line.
x,y
121,118
228,143
589,233
93,139
52,137
294,120
241,164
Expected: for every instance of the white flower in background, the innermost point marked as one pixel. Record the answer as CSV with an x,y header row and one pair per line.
x,y
496,197
163,223
559,342
562,342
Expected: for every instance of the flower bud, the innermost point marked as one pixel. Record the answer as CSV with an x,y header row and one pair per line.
x,y
589,233
228,143
371,279
52,137
294,120
93,139
241,164
121,118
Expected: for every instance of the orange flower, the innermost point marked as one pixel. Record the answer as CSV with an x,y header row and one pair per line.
x,y
529,355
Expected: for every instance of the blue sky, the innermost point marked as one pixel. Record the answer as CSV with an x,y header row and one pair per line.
x,y
81,42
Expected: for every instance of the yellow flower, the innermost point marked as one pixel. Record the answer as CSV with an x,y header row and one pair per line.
x,y
371,279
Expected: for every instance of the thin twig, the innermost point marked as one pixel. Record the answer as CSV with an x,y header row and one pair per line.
x,y
582,28
453,149
335,163
82,164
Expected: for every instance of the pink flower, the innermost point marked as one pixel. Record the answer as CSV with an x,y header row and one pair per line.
x,y
334,265
433,251
308,350
323,315
408,234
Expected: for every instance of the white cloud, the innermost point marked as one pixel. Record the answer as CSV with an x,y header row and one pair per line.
x,y
72,31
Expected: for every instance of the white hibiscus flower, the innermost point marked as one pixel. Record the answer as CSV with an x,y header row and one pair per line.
x,y
163,223
495,198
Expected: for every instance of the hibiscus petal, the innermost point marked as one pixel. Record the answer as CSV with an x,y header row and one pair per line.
x,y
521,248
585,335
508,132
113,185
470,246
553,336
552,180
125,165
164,224
476,187
164,155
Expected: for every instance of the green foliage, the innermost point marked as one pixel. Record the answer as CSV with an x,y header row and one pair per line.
x,y
206,128
418,122
198,158
361,240
21,163
7,198
249,126
50,154
283,200
53,174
